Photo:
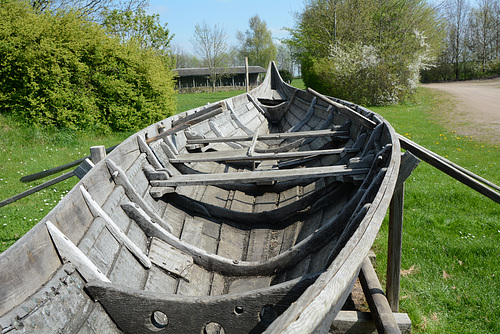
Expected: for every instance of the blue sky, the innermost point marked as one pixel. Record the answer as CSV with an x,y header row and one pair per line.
x,y
232,15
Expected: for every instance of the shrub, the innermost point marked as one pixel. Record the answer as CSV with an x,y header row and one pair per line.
x,y
61,70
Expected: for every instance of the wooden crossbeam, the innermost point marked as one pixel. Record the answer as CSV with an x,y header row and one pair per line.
x,y
257,176
272,136
242,155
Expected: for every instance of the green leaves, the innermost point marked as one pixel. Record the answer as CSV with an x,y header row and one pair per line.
x,y
62,71
368,52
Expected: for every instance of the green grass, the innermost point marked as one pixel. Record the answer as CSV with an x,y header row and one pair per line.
x,y
451,238
191,101
23,151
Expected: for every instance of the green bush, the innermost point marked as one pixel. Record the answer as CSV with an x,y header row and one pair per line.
x,y
61,70
359,74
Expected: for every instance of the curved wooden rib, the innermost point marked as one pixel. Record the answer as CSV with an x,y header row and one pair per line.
x,y
121,179
97,211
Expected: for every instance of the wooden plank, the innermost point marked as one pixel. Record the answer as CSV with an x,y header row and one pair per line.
x,y
357,117
40,175
362,323
395,241
169,258
272,136
243,155
97,211
379,307
257,176
200,117
97,153
395,238
252,145
69,252
37,188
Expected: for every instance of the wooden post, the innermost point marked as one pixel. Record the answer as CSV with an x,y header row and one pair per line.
x,y
247,83
408,164
394,247
97,153
380,309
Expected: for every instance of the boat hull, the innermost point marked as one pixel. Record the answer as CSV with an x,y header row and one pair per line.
x,y
252,214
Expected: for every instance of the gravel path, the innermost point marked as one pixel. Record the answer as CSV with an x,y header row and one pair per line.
x,y
476,108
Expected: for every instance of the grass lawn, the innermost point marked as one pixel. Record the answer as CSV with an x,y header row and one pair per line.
x,y
451,238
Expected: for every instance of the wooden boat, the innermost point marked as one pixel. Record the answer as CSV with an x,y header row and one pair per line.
x,y
248,215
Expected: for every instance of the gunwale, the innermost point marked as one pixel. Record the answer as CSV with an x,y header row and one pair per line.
x,y
307,312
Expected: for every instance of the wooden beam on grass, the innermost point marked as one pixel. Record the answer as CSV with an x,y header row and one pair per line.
x,y
52,171
379,307
37,188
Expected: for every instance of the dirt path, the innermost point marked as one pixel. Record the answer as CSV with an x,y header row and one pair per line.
x,y
475,108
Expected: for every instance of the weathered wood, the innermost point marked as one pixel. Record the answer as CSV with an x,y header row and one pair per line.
x,y
257,176
236,313
121,179
438,162
379,307
362,323
37,188
237,240
200,117
97,211
395,247
272,136
83,168
70,253
97,153
242,155
355,116
52,171
395,238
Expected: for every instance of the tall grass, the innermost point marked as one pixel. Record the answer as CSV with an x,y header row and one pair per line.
x,y
25,150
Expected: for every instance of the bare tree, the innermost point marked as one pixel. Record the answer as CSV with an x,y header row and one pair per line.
x,y
456,17
483,30
257,43
210,44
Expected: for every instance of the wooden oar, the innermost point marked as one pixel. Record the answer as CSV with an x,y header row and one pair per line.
x,y
37,188
52,171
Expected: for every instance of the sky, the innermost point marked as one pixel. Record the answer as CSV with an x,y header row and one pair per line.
x,y
232,15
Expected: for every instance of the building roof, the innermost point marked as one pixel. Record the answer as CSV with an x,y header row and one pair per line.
x,y
188,72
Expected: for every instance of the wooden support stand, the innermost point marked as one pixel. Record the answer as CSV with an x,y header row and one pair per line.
x,y
383,317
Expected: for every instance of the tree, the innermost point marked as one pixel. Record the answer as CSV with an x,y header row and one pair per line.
x,y
257,43
366,51
184,59
138,27
484,26
88,7
284,58
456,17
210,43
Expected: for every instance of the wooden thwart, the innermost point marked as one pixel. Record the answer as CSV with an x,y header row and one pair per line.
x,y
258,176
242,155
190,120
272,136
